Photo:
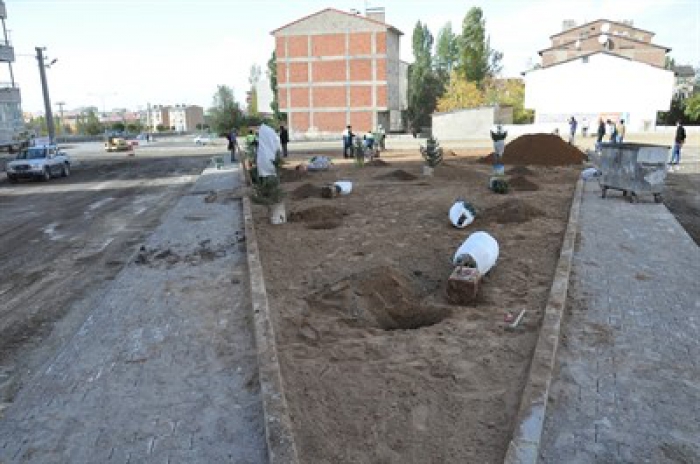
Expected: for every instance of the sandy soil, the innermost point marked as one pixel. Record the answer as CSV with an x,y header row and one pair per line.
x,y
378,366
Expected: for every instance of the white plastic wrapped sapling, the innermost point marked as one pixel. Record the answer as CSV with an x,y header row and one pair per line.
x,y
479,250
461,213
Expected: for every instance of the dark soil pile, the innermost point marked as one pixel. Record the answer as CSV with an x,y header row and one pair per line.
x,y
539,149
319,217
511,212
306,191
399,174
523,184
378,162
520,171
381,297
292,175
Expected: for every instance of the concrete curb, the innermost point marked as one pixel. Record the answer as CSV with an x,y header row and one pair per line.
x,y
278,425
525,443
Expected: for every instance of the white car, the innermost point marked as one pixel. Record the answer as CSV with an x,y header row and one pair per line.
x,y
43,162
202,140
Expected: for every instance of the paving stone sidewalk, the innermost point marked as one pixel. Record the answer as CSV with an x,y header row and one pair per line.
x,y
628,385
165,368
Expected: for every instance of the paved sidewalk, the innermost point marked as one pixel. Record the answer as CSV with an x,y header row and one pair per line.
x,y
165,368
628,385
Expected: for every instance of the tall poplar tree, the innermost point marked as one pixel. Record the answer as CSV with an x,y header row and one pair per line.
x,y
477,60
423,85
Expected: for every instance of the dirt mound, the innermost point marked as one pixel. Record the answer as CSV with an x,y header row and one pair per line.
x,y
539,149
305,191
520,171
512,212
378,162
381,297
457,172
319,217
523,184
399,174
292,175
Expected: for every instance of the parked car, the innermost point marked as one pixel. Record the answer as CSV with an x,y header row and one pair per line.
x,y
203,139
43,162
117,144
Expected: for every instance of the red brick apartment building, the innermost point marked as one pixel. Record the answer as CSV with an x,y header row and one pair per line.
x,y
616,38
336,69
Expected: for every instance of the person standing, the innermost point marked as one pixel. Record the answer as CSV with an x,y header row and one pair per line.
x,y
584,127
613,131
678,144
347,142
284,140
572,129
601,133
621,129
233,144
382,136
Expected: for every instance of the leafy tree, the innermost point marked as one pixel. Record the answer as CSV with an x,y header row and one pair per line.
x,y
89,123
38,125
692,108
133,127
199,126
676,113
509,92
422,43
669,63
225,114
460,94
272,75
424,87
118,127
477,60
161,128
253,79
446,49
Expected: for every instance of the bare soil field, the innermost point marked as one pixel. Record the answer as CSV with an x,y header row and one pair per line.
x,y
682,197
378,366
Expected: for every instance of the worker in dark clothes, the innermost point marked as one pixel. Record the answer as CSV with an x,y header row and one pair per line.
x,y
678,143
284,140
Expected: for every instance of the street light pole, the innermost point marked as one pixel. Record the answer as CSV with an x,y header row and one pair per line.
x,y
47,102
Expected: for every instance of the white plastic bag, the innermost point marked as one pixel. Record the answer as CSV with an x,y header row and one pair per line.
x,y
345,186
590,173
482,247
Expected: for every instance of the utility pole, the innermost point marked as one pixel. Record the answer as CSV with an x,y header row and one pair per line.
x,y
45,89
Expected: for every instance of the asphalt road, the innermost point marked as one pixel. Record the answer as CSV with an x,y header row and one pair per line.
x,y
63,241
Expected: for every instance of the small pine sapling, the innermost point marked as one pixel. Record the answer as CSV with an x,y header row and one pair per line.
x,y
432,152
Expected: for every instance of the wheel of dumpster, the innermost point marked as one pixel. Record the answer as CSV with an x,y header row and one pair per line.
x,y
605,192
624,193
632,197
658,198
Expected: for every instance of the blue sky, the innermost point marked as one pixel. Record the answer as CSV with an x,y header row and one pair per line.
x,y
127,53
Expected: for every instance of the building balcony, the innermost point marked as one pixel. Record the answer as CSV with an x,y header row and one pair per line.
x,y
9,94
7,52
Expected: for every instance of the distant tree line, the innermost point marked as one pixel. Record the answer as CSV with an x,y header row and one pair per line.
x,y
461,73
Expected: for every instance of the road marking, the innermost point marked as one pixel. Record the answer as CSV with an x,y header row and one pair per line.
x,y
50,230
100,203
112,185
